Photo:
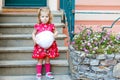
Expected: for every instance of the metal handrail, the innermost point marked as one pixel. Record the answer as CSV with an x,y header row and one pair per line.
x,y
112,24
82,12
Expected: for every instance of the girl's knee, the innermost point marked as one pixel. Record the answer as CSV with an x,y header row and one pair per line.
x,y
47,60
40,61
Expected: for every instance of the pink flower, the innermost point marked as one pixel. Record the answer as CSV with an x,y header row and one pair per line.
x,y
73,42
88,44
86,51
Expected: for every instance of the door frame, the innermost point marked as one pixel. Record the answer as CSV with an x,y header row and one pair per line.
x,y
24,4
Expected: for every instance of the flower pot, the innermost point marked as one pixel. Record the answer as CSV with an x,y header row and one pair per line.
x,y
96,67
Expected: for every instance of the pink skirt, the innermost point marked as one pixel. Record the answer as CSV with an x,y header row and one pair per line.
x,y
41,53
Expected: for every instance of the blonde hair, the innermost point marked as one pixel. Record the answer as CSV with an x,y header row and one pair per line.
x,y
44,9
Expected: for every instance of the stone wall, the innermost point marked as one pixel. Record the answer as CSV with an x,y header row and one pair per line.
x,y
95,67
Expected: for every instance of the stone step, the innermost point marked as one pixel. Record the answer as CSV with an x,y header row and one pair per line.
x,y
25,36
25,56
25,53
25,49
21,28
27,17
27,67
24,40
33,77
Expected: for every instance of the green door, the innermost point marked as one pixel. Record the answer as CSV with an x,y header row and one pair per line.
x,y
69,6
25,3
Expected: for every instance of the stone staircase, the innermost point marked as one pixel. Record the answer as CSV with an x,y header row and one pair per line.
x,y
16,47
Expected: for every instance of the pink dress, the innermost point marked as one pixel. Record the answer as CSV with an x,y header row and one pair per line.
x,y
39,52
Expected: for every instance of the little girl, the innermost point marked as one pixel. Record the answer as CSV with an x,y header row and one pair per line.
x,y
39,53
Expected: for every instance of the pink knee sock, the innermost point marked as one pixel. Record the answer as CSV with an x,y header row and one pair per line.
x,y
47,67
38,68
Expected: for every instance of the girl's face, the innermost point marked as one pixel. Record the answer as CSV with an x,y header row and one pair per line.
x,y
44,17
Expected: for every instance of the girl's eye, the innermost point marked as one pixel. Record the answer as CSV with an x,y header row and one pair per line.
x,y
46,16
42,16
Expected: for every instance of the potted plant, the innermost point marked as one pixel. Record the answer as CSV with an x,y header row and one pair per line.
x,y
96,42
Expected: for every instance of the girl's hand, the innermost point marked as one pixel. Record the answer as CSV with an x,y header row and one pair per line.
x,y
34,42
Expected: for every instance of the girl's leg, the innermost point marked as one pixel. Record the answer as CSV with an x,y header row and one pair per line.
x,y
47,64
39,68
48,68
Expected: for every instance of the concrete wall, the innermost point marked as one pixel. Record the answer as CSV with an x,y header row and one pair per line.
x,y
97,13
98,2
1,1
54,5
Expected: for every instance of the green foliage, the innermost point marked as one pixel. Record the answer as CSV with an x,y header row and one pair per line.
x,y
96,42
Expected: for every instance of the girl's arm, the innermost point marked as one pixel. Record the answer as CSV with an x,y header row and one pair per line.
x,y
33,35
55,33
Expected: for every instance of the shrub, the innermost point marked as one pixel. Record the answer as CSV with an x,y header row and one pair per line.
x,y
96,42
